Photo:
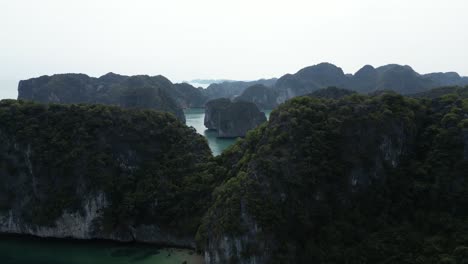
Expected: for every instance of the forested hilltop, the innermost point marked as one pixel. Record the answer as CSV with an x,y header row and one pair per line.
x,y
332,177
363,179
95,171
139,91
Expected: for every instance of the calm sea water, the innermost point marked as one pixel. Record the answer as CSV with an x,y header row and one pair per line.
x,y
14,250
195,118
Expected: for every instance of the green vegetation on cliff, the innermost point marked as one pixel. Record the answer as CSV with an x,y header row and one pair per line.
x,y
363,179
352,179
151,168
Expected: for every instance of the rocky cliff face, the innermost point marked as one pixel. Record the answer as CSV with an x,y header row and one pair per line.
x,y
232,119
323,171
84,224
213,111
142,91
99,172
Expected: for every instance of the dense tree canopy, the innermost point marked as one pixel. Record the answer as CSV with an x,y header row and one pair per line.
x,y
362,179
352,179
151,167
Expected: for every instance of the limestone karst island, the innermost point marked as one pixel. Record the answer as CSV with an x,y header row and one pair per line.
x,y
212,132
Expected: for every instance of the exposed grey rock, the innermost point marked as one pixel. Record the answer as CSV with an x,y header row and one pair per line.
x,y
83,225
231,248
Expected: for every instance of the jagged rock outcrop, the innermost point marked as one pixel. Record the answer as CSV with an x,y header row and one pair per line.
x,y
262,96
100,172
140,91
232,119
354,175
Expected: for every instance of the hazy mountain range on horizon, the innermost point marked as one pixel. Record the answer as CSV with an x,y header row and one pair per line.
x,y
438,78
158,92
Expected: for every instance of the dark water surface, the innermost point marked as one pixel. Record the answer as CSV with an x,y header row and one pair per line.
x,y
28,250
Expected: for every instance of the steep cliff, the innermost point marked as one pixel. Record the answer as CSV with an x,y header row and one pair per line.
x,y
140,91
232,119
357,180
239,118
100,172
213,110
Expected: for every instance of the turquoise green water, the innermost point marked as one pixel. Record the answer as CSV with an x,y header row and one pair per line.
x,y
195,118
14,250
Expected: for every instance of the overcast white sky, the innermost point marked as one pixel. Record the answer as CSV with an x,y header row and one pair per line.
x,y
235,39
